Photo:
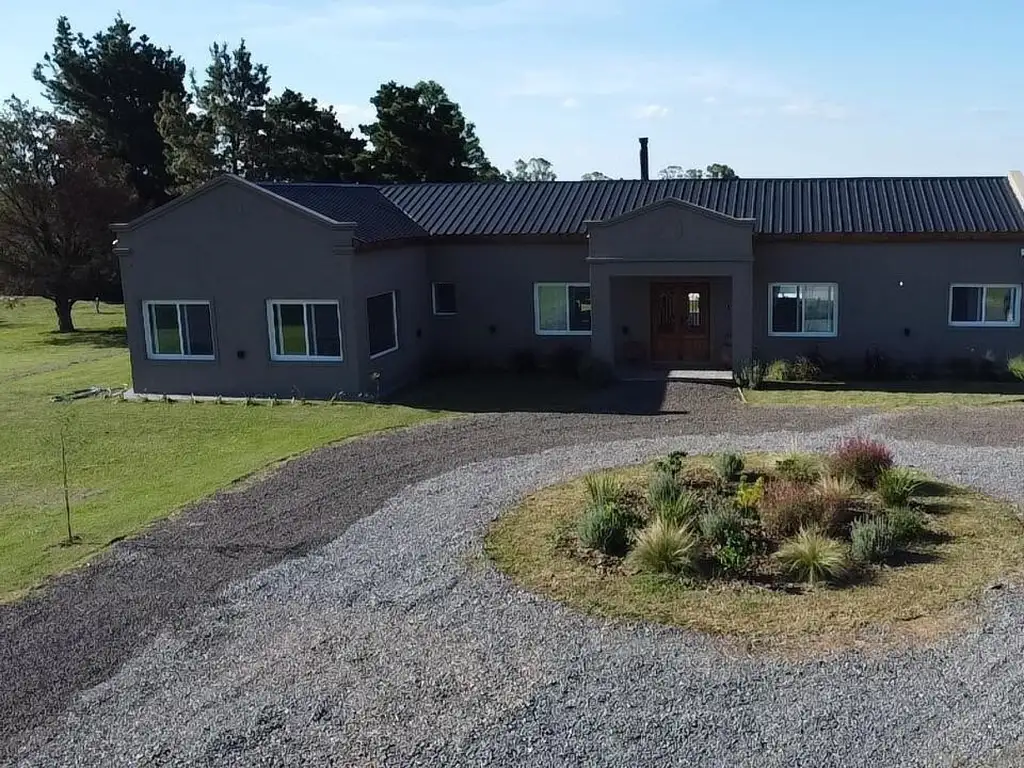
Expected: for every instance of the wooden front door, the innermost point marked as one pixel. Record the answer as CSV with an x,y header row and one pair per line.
x,y
680,328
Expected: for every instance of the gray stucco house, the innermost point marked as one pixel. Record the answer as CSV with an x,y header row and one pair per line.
x,y
315,289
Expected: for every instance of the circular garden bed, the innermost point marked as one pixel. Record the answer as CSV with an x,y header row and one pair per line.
x,y
763,546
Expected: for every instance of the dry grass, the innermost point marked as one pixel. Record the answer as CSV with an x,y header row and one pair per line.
x,y
976,541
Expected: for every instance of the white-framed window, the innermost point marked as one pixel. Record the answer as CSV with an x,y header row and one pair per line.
x,y
178,330
561,309
803,309
974,305
382,323
304,329
443,298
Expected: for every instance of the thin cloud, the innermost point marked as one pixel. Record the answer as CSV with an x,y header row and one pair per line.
x,y
650,112
570,103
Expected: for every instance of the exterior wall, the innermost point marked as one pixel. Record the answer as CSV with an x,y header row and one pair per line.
x,y
403,270
494,292
236,247
908,322
631,313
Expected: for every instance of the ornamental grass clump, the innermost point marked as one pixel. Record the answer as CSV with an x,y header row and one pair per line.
x,y
606,528
896,486
861,459
907,525
665,548
663,489
728,466
604,490
1015,367
837,500
786,506
679,510
813,557
871,539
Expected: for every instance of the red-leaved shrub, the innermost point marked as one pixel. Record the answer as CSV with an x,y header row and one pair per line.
x,y
787,506
861,459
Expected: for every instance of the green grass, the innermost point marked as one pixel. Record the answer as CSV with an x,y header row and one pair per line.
x,y
889,395
130,463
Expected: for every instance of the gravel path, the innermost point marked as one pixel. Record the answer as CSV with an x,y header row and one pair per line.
x,y
393,644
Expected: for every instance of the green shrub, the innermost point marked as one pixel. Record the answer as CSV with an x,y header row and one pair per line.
x,y
871,539
749,495
663,547
720,523
670,464
907,525
734,558
750,374
805,369
813,557
607,529
786,507
778,370
604,490
837,499
680,510
798,468
1015,367
728,466
895,486
663,488
862,459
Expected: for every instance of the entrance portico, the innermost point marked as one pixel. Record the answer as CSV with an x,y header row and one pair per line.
x,y
671,284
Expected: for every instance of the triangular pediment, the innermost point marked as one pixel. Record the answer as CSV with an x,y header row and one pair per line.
x,y
670,204
672,230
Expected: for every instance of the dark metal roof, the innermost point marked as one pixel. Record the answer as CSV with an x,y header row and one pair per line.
x,y
786,207
376,217
983,205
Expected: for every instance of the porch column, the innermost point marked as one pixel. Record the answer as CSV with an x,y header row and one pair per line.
x,y
602,336
742,313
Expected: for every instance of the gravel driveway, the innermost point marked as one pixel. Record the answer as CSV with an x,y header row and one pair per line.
x,y
286,624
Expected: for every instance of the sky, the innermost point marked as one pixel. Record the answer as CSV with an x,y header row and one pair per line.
x,y
773,88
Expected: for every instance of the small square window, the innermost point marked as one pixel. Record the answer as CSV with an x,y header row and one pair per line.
x,y
803,309
561,309
444,299
305,330
178,330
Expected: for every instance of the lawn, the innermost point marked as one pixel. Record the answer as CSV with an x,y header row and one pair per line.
x,y
129,463
887,395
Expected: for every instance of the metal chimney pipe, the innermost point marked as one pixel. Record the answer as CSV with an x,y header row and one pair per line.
x,y
645,166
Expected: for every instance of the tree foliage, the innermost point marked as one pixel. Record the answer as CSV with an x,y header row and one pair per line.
x,y
59,192
218,127
713,171
306,142
112,85
534,169
232,99
595,176
420,134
